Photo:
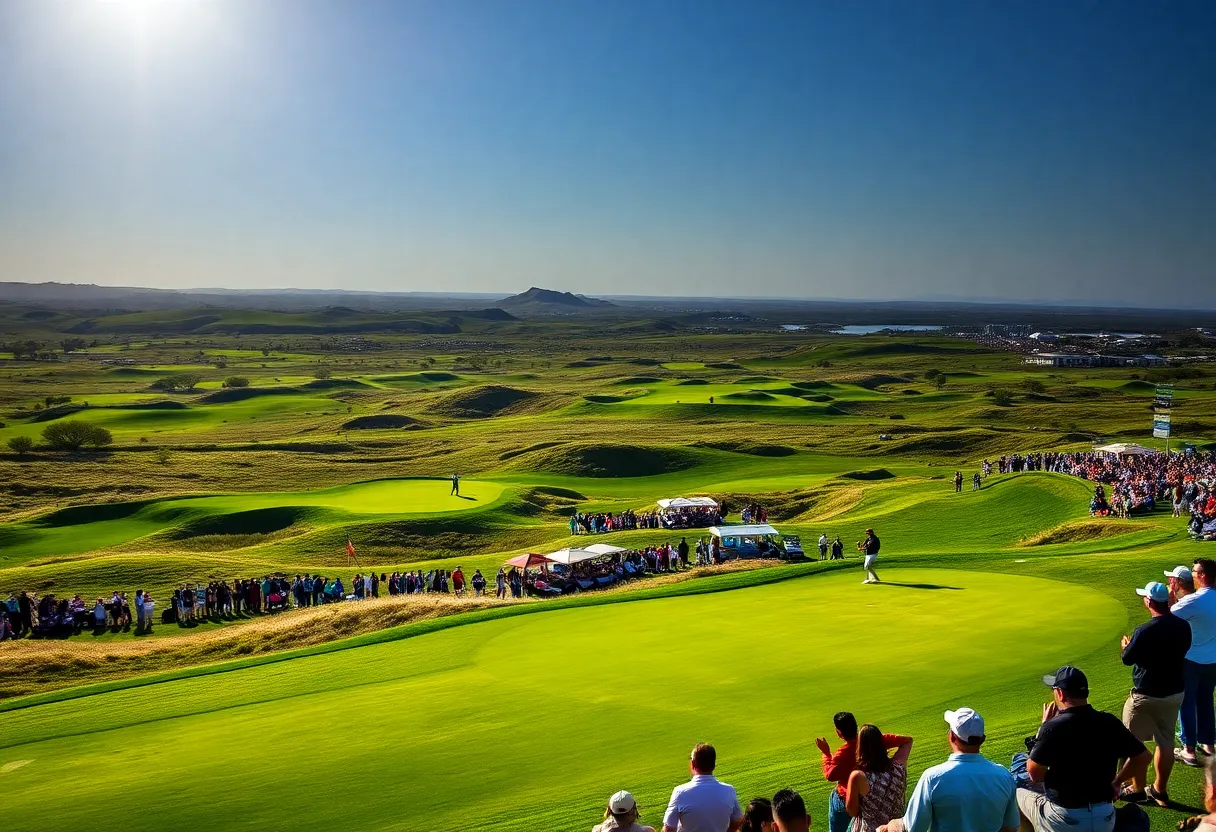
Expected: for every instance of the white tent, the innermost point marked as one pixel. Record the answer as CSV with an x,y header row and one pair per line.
x,y
573,556
757,530
1125,449
604,549
687,502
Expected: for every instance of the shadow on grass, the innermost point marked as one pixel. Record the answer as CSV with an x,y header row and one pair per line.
x,y
918,586
463,497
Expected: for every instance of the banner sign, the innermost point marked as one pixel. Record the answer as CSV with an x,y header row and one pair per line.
x,y
1161,425
1163,399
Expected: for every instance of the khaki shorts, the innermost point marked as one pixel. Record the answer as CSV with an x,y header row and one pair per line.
x,y
1152,718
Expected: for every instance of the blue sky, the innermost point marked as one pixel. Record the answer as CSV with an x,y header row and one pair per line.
x,y
1022,150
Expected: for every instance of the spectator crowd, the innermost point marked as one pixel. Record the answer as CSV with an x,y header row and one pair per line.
x,y
1083,770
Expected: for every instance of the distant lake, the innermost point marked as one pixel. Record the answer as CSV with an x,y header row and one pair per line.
x,y
870,330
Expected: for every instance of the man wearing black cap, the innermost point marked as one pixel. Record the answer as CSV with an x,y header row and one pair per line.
x,y
1074,761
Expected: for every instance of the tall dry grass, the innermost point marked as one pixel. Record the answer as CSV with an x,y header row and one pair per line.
x,y
29,666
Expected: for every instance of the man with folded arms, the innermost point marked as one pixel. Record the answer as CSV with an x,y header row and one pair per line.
x,y
1074,769
1157,654
967,793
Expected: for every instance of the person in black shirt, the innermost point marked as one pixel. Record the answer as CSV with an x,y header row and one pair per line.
x,y
1157,654
1073,766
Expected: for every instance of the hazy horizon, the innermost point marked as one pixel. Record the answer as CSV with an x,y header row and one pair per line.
x,y
1030,152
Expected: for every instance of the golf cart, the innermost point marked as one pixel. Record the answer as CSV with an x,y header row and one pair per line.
x,y
758,541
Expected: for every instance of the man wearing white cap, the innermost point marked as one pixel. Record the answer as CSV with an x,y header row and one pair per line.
x,y
967,793
1156,652
621,815
1181,583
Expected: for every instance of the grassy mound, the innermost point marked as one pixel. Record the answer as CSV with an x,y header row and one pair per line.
x,y
725,365
610,460
604,398
484,402
876,380
750,396
381,422
876,474
686,381
334,384
633,380
752,448
755,380
816,397
539,446
1138,387
254,522
1079,531
240,394
813,385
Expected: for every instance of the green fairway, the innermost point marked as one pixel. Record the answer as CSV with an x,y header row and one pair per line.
x,y
570,705
80,530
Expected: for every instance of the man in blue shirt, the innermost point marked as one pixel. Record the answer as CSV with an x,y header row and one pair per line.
x,y
1198,714
967,793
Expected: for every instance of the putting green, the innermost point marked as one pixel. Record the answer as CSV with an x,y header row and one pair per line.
x,y
530,722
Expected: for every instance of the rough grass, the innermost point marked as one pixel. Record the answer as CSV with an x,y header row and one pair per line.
x,y
603,460
30,666
1079,531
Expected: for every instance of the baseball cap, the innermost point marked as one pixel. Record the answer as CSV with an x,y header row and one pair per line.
x,y
1155,591
1182,573
621,802
1068,679
965,723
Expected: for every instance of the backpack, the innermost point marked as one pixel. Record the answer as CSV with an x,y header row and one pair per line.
x,y
1131,818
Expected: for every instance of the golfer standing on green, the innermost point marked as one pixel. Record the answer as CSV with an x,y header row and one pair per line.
x,y
455,485
870,547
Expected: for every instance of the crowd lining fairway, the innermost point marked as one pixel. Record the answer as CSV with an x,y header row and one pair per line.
x,y
553,710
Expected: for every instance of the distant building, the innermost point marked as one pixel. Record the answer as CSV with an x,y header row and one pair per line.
x,y
1044,337
1071,359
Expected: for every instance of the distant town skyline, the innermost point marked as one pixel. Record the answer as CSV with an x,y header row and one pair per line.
x,y
1026,152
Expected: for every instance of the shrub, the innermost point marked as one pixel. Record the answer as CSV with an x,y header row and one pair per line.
x,y
73,434
323,373
21,445
163,456
1004,398
236,381
53,400
184,381
1033,385
932,373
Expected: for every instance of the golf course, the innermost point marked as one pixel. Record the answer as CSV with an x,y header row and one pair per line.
x,y
444,713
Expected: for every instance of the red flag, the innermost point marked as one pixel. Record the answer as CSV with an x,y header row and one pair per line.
x,y
350,548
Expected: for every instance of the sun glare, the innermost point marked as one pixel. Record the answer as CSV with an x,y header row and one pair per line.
x,y
154,24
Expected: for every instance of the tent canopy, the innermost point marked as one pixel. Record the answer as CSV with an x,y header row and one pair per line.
x,y
572,556
527,561
604,549
757,530
688,502
1124,448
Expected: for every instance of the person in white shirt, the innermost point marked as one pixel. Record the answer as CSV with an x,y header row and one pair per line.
x,y
967,793
703,804
1198,713
823,546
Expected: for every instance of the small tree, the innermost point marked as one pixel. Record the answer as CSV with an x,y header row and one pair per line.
x,y
1004,398
21,445
74,434
163,456
323,373
236,381
1033,385
940,380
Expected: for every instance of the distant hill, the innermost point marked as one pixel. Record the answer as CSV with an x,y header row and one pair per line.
x,y
548,300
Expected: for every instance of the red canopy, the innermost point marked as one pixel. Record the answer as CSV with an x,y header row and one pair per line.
x,y
527,561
